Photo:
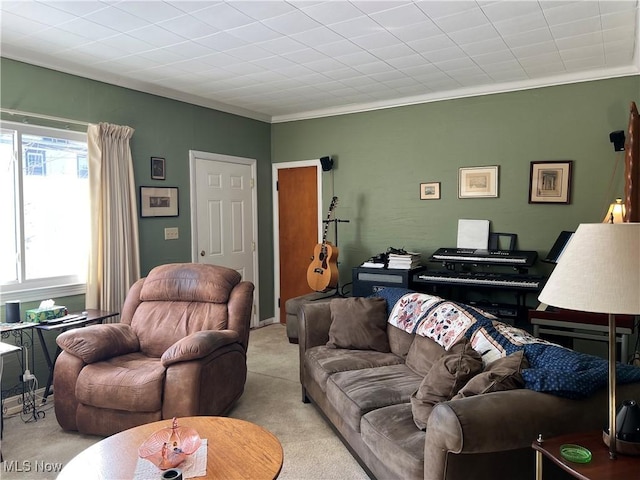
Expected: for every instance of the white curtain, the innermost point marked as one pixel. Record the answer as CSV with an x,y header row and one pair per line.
x,y
114,262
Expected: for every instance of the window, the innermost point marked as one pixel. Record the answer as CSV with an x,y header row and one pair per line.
x,y
44,212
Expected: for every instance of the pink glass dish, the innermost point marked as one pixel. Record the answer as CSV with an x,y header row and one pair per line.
x,y
170,446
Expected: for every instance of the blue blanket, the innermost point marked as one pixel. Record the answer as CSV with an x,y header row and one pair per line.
x,y
552,369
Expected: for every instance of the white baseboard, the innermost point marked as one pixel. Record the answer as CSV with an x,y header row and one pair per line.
x,y
267,321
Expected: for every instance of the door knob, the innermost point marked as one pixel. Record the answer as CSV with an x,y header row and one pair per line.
x,y
202,253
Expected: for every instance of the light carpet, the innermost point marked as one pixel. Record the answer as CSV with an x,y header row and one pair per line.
x,y
272,399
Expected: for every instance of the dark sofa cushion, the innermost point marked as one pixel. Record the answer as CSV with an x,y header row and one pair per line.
x,y
423,354
359,323
447,376
357,392
393,438
502,374
323,361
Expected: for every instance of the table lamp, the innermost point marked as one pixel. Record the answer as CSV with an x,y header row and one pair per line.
x,y
599,272
616,212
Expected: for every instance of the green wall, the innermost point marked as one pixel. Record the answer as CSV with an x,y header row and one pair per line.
x,y
381,157
163,128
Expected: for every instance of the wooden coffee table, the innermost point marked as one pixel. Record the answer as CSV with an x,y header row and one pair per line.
x,y
236,450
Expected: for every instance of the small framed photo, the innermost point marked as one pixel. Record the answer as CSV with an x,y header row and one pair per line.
x,y
158,171
158,202
478,182
550,182
430,191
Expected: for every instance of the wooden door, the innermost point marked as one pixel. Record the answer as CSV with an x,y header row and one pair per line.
x,y
298,229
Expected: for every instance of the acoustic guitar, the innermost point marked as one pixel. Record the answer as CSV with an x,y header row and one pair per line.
x,y
322,273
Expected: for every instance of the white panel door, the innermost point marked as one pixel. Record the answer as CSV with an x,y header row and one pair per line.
x,y
223,215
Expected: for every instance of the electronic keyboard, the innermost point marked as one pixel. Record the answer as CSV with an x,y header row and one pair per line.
x,y
516,258
497,280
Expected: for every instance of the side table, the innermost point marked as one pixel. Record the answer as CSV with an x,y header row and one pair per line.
x,y
92,316
601,467
5,348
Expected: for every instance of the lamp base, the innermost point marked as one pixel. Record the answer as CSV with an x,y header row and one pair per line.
x,y
622,447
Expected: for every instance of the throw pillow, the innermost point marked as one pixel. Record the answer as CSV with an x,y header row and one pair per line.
x,y
502,374
453,370
359,323
422,354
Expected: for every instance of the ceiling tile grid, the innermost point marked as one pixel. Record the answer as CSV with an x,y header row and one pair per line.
x,y
276,60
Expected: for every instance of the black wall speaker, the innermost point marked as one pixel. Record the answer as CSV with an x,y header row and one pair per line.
x,y
12,311
617,138
327,163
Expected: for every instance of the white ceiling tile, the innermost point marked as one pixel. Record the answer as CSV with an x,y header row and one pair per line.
x,y
509,75
455,64
282,45
419,31
249,53
21,25
221,41
86,28
470,18
621,34
44,13
357,58
254,33
588,39
524,23
612,6
151,12
445,54
331,12
224,17
504,11
544,59
115,16
262,9
580,27
438,42
157,36
570,12
619,19
585,63
375,40
582,52
494,57
443,8
75,7
483,46
527,38
535,49
355,27
406,62
474,34
188,6
188,49
317,37
188,27
390,52
291,23
127,44
400,17
339,48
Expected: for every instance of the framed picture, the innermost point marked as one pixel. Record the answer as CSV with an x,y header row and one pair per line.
x,y
158,202
158,171
550,182
430,191
478,182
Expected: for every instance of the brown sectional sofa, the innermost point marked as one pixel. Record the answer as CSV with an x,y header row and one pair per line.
x,y
365,394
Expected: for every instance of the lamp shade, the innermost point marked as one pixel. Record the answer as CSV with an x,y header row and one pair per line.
x,y
599,271
616,212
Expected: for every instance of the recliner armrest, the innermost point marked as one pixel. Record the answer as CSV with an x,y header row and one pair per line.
x,y
198,345
99,342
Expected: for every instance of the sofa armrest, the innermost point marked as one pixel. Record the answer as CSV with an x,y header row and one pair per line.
x,y
507,420
198,345
99,342
314,324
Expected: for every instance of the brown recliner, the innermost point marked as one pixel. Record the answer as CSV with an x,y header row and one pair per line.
x,y
180,350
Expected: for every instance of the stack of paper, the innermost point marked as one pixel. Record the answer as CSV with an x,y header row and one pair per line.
x,y
405,262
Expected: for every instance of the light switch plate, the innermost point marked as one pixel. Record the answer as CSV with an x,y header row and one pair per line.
x,y
171,233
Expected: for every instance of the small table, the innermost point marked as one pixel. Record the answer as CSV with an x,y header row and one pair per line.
x,y
5,348
92,316
236,449
601,467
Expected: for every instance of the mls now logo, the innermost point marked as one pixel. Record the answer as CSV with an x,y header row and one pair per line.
x,y
27,466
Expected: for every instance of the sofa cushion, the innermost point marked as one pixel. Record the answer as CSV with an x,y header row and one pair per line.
x,y
394,439
447,376
357,392
359,323
502,374
322,361
132,382
422,355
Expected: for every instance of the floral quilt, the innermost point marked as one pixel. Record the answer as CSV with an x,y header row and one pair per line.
x,y
552,368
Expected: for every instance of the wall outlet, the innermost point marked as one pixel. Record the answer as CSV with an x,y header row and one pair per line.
x,y
171,233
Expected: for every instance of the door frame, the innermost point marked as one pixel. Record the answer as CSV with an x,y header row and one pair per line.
x,y
275,167
193,200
